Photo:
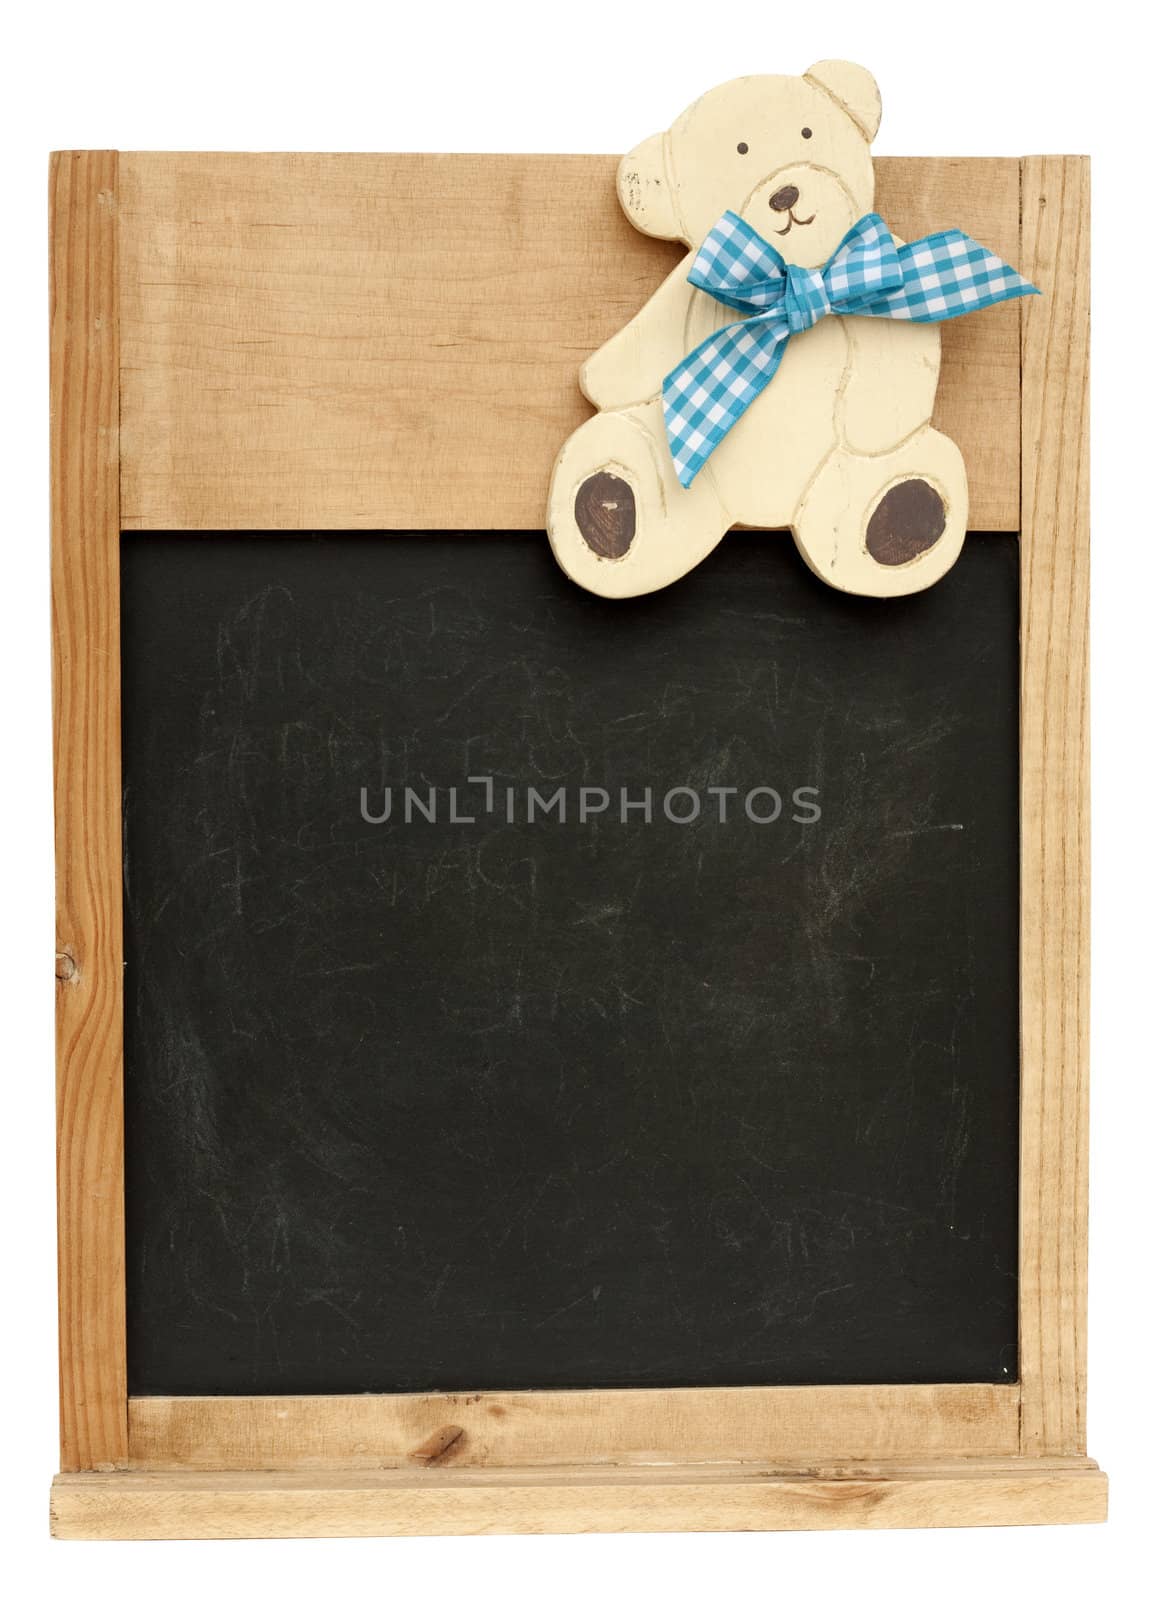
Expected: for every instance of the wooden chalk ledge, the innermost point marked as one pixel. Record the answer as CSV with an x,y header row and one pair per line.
x,y
426,1500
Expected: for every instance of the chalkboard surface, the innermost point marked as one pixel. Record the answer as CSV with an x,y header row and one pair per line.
x,y
510,1098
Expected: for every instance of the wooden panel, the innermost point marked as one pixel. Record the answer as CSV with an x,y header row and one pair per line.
x,y
85,526
1055,863
238,1505
978,391
632,1427
361,341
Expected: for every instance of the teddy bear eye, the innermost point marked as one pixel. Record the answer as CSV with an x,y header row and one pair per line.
x,y
806,133
743,149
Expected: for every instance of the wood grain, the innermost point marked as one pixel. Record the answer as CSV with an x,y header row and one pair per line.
x,y
85,532
382,341
1054,807
240,1505
536,1428
978,389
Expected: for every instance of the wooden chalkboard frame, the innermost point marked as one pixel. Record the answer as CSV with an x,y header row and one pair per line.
x,y
166,416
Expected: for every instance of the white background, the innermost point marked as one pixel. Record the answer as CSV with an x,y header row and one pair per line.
x,y
957,80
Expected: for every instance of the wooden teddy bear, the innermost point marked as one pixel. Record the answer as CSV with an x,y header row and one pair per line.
x,y
838,447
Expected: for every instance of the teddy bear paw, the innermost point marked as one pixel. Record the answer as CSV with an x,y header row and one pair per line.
x,y
605,511
909,520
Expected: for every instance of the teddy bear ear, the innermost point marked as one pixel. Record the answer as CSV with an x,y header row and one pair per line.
x,y
644,181
852,87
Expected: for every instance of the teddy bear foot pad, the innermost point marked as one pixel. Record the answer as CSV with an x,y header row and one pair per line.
x,y
605,511
909,520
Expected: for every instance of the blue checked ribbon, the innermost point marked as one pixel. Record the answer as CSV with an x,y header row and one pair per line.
x,y
869,275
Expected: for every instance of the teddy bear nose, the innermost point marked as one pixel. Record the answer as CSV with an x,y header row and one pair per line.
x,y
784,199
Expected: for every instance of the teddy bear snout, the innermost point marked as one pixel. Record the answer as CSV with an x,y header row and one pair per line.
x,y
785,199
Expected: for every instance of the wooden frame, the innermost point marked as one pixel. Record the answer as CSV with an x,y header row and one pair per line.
x,y
226,353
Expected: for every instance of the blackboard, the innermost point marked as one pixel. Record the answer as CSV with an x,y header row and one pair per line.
x,y
541,1103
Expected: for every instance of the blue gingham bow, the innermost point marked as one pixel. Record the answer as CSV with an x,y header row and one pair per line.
x,y
869,275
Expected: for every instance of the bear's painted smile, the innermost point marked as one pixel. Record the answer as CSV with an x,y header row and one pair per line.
x,y
795,222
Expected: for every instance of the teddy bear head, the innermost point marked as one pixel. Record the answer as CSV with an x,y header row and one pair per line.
x,y
790,155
